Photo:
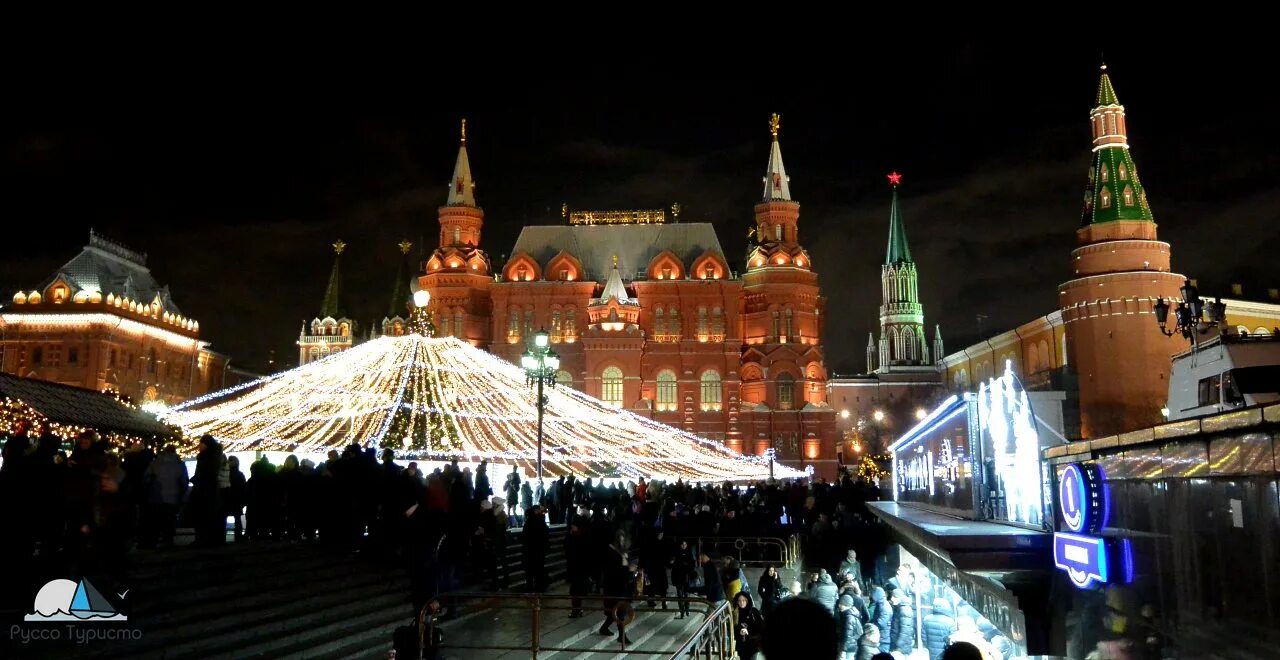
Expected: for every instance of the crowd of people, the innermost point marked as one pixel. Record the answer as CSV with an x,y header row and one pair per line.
x,y
622,540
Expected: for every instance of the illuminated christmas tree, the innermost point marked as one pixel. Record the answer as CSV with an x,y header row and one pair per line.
x,y
441,398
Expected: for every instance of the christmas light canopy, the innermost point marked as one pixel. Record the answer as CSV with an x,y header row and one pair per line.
x,y
440,399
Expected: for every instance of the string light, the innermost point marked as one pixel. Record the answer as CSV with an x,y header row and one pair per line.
x,y
440,399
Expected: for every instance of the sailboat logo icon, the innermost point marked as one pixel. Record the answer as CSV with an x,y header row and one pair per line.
x,y
68,600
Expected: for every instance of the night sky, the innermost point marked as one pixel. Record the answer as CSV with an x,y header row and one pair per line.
x,y
236,177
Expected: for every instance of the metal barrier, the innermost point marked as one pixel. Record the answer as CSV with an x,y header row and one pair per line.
x,y
714,635
713,639
787,552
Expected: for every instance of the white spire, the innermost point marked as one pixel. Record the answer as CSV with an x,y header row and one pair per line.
x,y
776,183
462,187
613,287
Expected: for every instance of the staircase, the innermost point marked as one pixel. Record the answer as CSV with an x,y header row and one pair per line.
x,y
274,600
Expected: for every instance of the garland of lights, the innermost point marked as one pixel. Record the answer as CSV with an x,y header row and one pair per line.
x,y
440,399
18,417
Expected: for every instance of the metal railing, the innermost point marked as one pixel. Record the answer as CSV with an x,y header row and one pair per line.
x,y
712,639
750,550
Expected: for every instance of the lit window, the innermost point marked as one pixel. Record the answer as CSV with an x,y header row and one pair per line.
x,y
1105,198
777,232
659,324
564,378
1103,169
611,386
666,390
1122,172
457,235
1128,196
786,392
710,390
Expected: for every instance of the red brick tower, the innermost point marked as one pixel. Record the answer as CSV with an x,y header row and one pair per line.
x,y
458,274
1119,356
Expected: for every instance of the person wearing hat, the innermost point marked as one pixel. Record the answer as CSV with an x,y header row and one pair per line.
x,y
850,627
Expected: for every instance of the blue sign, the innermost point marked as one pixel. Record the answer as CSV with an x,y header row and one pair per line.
x,y
1085,504
1084,558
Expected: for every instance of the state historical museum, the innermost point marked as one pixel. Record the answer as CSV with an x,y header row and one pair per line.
x,y
650,316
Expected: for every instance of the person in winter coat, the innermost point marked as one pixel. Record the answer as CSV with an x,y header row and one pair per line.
x,y
206,507
236,495
748,627
511,487
937,628
869,645
903,626
770,588
483,489
713,588
618,582
732,578
526,499
824,591
851,566
882,616
850,627
535,540
683,570
577,561
166,484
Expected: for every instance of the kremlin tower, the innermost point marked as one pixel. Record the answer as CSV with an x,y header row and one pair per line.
x,y
1120,358
902,341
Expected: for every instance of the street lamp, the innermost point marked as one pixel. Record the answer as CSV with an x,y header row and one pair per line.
x,y
420,318
1189,314
540,365
878,415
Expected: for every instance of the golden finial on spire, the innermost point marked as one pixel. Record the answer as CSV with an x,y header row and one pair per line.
x,y
615,261
775,123
339,246
404,246
464,130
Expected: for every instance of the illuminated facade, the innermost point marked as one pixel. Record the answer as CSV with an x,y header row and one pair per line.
x,y
650,317
330,332
103,322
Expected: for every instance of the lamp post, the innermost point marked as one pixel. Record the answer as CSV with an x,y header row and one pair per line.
x,y
540,364
420,318
1189,314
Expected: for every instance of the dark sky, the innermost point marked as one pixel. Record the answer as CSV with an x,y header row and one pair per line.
x,y
236,176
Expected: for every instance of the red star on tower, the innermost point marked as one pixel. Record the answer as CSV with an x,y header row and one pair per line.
x,y
894,178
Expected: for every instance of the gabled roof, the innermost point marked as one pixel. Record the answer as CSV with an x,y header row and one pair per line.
x,y
73,405
109,267
634,245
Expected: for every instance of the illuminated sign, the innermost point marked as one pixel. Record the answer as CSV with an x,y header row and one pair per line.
x,y
1084,502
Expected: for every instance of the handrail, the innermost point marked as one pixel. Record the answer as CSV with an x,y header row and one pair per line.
x,y
623,613
712,636
788,550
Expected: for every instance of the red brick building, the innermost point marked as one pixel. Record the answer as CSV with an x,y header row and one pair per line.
x,y
103,322
652,317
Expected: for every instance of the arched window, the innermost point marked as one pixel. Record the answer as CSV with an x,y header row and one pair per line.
x,y
570,324
1128,196
564,378
1261,332
528,323
717,324
659,324
786,392
457,235
777,232
151,368
611,386
789,328
1122,172
1103,170
674,330
446,325
1240,330
513,325
1104,198
666,390
710,390
457,325
777,326
557,329
344,330
702,324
